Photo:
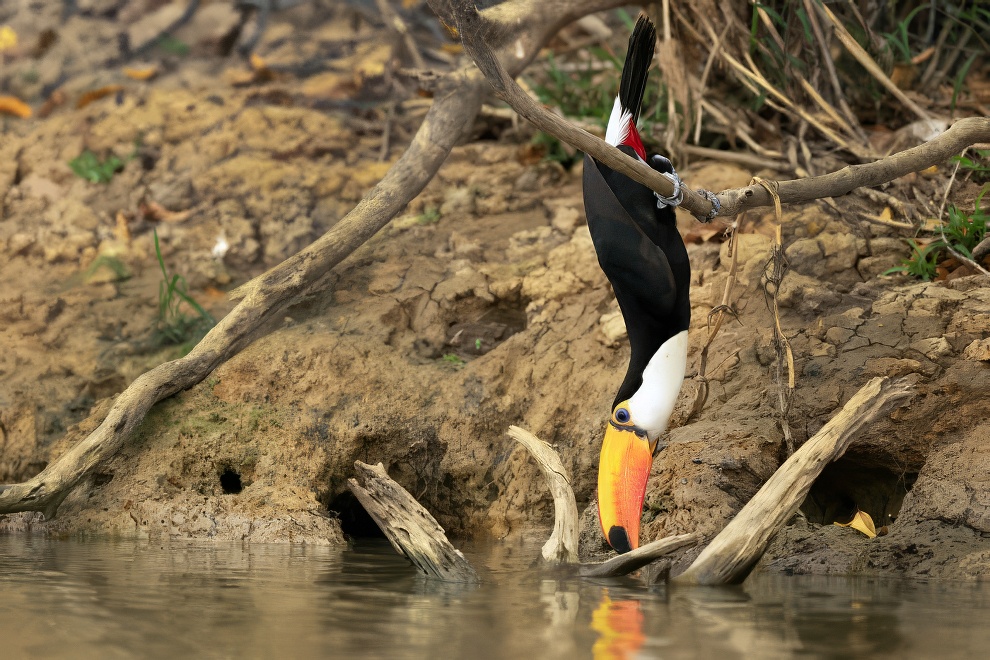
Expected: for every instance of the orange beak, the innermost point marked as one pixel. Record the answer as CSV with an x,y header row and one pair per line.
x,y
623,470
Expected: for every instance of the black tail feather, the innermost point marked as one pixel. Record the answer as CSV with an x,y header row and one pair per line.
x,y
637,66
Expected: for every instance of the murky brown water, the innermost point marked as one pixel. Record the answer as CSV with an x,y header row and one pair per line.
x,y
72,599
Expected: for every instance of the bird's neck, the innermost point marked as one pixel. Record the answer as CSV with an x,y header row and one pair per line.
x,y
653,403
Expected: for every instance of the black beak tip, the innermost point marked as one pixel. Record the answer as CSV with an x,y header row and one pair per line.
x,y
618,539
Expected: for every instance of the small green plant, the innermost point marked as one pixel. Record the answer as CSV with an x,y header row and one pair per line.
x,y
979,164
477,344
921,263
174,325
962,232
429,216
453,360
90,167
173,46
117,268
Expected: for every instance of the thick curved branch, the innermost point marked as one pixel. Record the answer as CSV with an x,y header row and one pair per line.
x,y
455,105
562,546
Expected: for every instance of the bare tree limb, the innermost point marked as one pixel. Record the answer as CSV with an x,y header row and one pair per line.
x,y
410,528
731,555
476,27
457,98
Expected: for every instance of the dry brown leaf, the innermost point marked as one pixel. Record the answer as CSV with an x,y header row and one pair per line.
x,y
56,99
11,105
157,212
96,94
861,522
143,73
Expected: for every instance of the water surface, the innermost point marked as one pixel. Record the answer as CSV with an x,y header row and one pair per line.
x,y
100,599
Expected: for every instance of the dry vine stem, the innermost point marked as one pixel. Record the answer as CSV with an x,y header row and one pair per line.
x,y
521,28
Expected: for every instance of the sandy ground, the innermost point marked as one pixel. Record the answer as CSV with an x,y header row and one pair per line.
x,y
482,306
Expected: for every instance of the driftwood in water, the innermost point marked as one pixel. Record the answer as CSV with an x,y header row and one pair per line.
x,y
562,547
730,556
641,556
413,532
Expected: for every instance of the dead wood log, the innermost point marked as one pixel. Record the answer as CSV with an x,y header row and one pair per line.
x,y
730,556
562,546
481,29
641,556
413,532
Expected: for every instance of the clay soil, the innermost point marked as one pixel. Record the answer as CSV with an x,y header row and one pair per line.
x,y
480,307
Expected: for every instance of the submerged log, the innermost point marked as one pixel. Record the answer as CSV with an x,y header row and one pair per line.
x,y
733,552
413,532
641,556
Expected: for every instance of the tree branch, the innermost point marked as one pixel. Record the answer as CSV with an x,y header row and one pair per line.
x,y
475,26
265,298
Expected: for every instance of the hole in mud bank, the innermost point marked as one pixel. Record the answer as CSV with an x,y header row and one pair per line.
x,y
491,328
355,522
230,481
857,482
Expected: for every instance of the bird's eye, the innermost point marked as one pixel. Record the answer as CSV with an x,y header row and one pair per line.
x,y
622,415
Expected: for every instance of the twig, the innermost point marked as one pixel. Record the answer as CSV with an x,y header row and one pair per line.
x,y
731,555
397,25
830,68
740,157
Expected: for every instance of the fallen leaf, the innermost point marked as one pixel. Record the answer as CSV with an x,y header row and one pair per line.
x,y
157,212
861,522
56,99
96,94
143,73
8,38
10,105
122,232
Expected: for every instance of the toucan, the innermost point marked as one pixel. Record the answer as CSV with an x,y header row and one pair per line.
x,y
644,258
